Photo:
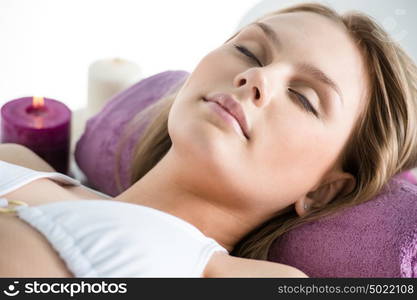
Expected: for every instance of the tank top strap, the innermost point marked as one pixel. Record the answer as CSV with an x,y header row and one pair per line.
x,y
10,206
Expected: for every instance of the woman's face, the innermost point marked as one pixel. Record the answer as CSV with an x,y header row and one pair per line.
x,y
300,93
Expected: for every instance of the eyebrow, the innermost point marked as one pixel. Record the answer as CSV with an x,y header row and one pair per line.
x,y
269,32
319,75
313,71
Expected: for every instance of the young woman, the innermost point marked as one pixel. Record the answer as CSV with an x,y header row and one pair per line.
x,y
297,115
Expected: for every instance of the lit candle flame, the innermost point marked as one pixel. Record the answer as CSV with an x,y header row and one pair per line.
x,y
37,102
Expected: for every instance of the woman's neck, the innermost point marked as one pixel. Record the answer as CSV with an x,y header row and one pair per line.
x,y
175,188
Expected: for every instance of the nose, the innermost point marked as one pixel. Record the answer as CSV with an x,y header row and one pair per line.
x,y
252,85
259,85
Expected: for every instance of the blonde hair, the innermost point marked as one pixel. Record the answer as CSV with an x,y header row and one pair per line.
x,y
382,143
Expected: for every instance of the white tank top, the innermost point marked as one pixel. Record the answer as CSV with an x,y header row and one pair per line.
x,y
107,238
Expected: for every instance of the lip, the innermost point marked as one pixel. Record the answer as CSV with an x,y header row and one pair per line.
x,y
233,107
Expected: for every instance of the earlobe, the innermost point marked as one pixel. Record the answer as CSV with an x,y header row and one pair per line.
x,y
302,206
337,185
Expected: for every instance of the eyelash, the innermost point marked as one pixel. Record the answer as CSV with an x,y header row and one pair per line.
x,y
249,54
303,99
305,102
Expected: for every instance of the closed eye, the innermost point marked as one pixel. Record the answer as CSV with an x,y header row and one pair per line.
x,y
304,101
249,54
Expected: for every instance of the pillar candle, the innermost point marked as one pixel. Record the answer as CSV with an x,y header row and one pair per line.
x,y
41,124
106,78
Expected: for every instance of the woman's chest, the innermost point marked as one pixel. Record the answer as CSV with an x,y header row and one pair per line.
x,y
44,190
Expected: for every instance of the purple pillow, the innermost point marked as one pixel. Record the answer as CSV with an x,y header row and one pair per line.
x,y
375,239
408,176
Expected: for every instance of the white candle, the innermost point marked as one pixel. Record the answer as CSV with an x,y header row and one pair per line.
x,y
106,78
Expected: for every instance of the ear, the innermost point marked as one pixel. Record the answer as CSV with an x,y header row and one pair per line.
x,y
337,183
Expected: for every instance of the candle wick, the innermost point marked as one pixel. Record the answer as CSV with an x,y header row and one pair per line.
x,y
36,110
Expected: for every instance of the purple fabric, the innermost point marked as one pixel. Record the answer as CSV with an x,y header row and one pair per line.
x,y
375,239
408,176
95,152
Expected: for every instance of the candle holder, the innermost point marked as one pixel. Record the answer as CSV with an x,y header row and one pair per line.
x,y
41,124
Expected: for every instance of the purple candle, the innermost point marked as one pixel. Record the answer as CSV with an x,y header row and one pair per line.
x,y
41,124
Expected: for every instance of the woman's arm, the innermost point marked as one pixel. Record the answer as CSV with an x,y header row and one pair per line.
x,y
20,155
224,265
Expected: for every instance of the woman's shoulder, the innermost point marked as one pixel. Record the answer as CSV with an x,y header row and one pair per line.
x,y
224,265
23,156
47,189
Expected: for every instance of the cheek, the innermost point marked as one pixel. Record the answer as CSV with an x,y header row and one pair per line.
x,y
216,70
293,156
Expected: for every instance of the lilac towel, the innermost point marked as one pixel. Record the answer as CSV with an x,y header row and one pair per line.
x,y
374,239
95,152
408,176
